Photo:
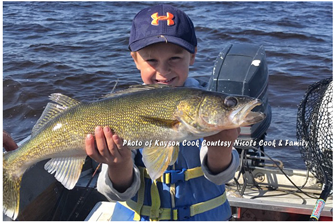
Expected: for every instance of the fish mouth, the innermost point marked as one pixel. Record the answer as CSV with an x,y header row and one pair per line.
x,y
248,117
242,116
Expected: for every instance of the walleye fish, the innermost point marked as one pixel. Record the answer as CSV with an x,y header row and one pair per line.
x,y
143,113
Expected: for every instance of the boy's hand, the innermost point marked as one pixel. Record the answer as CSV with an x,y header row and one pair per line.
x,y
107,147
219,157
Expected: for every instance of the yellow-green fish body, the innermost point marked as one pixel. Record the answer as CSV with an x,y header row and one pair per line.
x,y
149,113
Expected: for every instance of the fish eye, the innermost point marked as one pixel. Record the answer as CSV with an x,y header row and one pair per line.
x,y
230,101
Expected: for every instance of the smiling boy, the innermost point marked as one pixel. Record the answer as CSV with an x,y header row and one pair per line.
x,y
163,45
170,67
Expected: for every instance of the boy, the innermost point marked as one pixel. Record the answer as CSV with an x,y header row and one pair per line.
x,y
163,45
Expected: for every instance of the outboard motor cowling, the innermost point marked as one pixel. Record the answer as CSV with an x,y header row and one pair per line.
x,y
242,69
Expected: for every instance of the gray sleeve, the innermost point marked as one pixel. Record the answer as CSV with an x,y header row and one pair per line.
x,y
105,185
225,175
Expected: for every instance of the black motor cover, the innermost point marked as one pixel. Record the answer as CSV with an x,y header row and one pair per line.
x,y
241,69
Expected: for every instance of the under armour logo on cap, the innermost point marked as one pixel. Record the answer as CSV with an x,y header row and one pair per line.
x,y
155,18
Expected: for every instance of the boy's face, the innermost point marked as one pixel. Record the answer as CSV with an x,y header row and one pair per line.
x,y
163,63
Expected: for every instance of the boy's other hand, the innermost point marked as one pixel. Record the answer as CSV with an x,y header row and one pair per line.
x,y
226,135
220,157
8,143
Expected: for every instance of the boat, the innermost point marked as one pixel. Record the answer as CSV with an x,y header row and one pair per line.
x,y
268,196
263,189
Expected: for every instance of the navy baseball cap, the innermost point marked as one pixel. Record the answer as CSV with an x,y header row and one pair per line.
x,y
162,23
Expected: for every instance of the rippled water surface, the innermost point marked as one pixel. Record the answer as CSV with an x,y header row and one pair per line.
x,y
80,49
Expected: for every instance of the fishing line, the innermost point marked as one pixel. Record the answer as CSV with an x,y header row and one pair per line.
x,y
117,81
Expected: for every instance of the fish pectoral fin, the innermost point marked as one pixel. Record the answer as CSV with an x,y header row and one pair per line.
x,y
68,169
174,155
168,123
157,159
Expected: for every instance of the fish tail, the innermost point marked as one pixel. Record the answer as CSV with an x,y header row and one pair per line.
x,y
11,195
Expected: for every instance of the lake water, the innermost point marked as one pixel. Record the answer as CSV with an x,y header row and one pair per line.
x,y
80,49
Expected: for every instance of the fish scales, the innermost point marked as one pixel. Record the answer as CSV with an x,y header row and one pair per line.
x,y
130,122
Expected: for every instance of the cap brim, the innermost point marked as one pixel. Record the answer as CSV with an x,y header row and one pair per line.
x,y
140,44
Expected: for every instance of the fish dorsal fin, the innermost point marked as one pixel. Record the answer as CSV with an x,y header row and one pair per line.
x,y
63,100
52,110
68,169
135,88
157,159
